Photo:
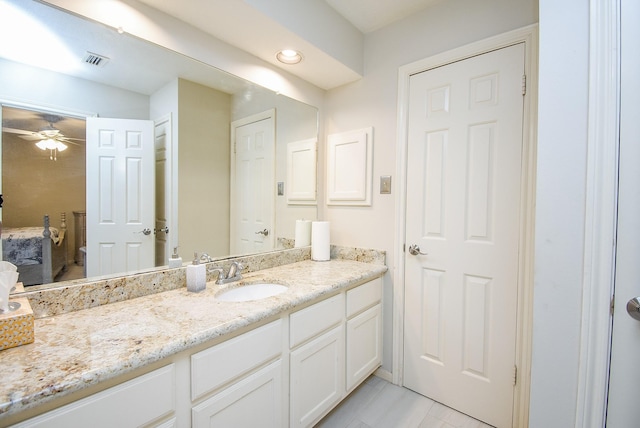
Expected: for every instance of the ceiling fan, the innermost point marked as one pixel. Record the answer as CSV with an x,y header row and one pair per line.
x,y
48,138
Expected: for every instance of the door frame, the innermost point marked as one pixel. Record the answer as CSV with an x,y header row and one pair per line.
x,y
170,182
601,216
529,36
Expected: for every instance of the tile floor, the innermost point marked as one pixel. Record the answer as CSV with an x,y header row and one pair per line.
x,y
378,403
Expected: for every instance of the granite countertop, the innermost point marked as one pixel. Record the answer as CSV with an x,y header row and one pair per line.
x,y
77,349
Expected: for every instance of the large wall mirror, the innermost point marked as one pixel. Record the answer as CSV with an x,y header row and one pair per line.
x,y
58,69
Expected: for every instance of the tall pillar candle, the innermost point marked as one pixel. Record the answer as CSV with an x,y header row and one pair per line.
x,y
303,233
320,249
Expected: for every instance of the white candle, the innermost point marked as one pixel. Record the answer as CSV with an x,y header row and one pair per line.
x,y
303,233
320,247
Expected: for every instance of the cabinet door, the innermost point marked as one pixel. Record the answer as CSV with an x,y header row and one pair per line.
x,y
256,401
364,345
317,377
133,403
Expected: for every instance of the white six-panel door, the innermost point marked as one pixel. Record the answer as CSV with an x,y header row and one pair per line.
x,y
253,187
120,195
463,211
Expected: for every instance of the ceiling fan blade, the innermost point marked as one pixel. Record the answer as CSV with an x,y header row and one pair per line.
x,y
17,131
68,141
34,136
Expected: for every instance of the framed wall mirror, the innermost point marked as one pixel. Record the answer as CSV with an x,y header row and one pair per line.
x,y
60,69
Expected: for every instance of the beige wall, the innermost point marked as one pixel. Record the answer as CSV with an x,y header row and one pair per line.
x,y
203,121
33,185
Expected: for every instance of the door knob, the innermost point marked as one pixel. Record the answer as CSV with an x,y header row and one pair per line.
x,y
633,308
145,231
414,250
263,232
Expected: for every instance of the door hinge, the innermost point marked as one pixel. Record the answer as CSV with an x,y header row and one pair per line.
x,y
515,375
613,304
524,84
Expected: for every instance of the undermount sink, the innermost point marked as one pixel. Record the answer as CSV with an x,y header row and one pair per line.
x,y
246,293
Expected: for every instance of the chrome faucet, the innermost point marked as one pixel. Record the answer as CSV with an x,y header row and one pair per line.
x,y
219,271
234,270
234,273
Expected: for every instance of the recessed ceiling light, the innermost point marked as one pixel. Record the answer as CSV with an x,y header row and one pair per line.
x,y
289,56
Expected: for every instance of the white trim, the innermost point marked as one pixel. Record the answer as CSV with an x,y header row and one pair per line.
x,y
601,213
171,188
46,108
384,374
529,36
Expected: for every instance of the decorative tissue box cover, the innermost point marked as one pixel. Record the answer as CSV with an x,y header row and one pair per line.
x,y
19,288
16,328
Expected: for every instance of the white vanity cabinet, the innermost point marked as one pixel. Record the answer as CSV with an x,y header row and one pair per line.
x,y
137,402
335,344
317,360
246,375
289,372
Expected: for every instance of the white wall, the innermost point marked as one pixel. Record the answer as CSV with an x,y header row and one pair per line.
x,y
61,92
560,213
373,102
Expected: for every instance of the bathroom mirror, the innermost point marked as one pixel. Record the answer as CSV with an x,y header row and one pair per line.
x,y
135,79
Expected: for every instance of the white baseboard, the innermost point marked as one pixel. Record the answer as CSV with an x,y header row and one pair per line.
x,y
384,374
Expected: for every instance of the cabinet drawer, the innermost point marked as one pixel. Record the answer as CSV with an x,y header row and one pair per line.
x,y
364,296
133,403
315,319
214,367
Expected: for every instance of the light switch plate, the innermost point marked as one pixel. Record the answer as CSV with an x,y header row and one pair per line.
x,y
385,184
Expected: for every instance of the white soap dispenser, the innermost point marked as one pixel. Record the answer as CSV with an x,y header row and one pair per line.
x,y
196,275
175,261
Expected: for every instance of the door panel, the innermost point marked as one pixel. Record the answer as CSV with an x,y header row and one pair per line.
x,y
120,195
463,211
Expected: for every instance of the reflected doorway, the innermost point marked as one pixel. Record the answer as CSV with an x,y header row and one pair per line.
x,y
43,173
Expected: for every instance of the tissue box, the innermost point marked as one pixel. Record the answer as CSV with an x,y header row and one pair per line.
x,y
16,327
19,288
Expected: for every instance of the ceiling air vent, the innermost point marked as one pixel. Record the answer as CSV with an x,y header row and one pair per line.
x,y
95,59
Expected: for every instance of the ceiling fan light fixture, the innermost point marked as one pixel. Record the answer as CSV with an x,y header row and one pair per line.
x,y
289,56
51,144
43,144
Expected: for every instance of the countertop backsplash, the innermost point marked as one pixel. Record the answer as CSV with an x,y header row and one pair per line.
x,y
84,295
